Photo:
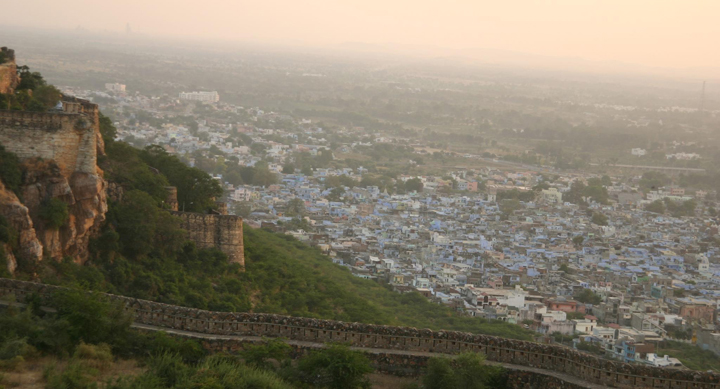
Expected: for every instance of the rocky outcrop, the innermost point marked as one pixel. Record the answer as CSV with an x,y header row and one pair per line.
x,y
8,72
84,194
28,246
59,151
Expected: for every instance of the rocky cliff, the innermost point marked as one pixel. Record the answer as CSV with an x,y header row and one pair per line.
x,y
8,71
27,245
85,197
58,151
82,192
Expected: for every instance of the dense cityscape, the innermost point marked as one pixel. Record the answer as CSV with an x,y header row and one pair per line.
x,y
472,195
590,258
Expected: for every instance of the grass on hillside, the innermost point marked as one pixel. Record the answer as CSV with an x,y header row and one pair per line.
x,y
692,356
289,277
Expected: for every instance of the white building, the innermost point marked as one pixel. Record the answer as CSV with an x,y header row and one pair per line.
x,y
703,264
552,196
638,152
585,325
115,87
241,194
203,97
655,360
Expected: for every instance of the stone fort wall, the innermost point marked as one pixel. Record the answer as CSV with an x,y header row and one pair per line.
x,y
224,232
547,357
68,137
219,230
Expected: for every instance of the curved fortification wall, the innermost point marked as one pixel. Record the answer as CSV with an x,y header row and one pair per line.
x,y
547,357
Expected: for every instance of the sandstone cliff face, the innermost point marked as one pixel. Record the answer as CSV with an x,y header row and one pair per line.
x,y
59,153
85,195
8,72
18,215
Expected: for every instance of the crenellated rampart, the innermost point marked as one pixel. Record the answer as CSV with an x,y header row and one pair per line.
x,y
535,355
68,137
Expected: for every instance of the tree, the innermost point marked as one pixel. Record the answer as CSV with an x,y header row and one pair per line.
x,y
295,207
587,296
144,227
336,367
259,355
288,168
414,185
578,240
575,315
336,194
243,209
29,80
233,177
54,213
653,180
599,219
509,206
10,171
91,317
107,129
47,95
575,194
197,190
656,206
264,177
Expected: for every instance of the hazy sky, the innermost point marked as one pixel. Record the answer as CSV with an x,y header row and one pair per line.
x,y
664,33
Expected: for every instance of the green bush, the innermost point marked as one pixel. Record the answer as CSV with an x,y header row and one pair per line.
x,y
54,212
466,371
259,355
76,375
221,372
335,367
91,317
16,347
169,369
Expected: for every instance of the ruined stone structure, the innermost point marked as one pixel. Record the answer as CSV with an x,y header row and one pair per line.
x,y
172,201
217,229
401,340
59,151
224,232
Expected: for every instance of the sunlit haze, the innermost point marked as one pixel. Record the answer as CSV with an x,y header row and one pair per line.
x,y
674,34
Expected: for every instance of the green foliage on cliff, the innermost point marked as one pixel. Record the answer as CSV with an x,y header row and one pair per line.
x,y
54,212
146,228
10,170
32,94
152,169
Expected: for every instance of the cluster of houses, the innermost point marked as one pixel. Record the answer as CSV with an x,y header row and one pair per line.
x,y
645,277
